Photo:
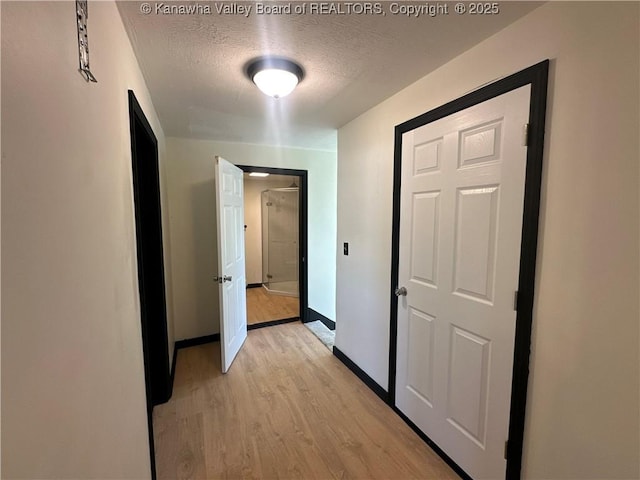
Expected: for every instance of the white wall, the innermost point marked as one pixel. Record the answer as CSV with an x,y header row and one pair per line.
x,y
583,406
190,176
253,188
73,397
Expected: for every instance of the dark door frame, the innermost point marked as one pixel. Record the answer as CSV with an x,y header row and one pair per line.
x,y
151,285
303,284
537,77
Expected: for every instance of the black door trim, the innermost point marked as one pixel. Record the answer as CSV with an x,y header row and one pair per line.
x,y
303,284
537,77
150,262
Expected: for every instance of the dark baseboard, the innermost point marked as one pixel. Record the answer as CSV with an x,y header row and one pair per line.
x,y
454,466
254,285
312,316
368,381
384,396
271,323
173,369
192,342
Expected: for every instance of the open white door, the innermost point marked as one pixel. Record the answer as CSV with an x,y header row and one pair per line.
x,y
460,233
231,271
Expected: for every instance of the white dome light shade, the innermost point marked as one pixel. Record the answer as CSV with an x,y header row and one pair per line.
x,y
275,76
275,83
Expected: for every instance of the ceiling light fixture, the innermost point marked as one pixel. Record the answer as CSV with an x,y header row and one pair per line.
x,y
275,76
258,174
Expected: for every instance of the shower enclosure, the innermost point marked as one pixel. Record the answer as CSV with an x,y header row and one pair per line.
x,y
280,241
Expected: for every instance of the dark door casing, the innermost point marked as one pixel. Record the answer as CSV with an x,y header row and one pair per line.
x,y
153,311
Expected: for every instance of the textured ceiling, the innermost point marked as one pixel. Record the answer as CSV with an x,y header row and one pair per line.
x,y
194,66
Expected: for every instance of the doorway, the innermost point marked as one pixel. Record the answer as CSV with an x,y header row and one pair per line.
x,y
276,244
151,285
467,180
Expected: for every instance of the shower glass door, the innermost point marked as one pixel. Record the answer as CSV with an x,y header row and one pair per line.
x,y
280,240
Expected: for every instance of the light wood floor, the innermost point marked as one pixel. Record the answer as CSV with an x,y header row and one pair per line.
x,y
264,307
286,409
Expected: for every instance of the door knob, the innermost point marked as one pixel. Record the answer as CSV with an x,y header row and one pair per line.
x,y
226,278
401,291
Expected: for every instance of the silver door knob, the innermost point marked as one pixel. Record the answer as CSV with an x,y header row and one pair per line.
x,y
401,291
226,278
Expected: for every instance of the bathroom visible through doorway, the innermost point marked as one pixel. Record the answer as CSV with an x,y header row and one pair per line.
x,y
274,249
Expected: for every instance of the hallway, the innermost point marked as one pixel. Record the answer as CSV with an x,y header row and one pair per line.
x,y
286,409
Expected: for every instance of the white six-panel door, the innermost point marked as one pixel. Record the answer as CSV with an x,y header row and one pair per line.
x,y
231,262
462,192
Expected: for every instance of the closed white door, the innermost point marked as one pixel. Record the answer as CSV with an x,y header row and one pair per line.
x,y
462,195
231,271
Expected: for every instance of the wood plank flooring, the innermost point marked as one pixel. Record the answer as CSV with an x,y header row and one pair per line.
x,y
264,307
286,409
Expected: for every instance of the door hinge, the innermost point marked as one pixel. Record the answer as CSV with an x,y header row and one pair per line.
x,y
515,300
525,135
506,448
